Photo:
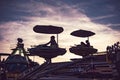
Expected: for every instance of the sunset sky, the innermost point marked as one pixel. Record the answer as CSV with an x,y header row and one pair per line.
x,y
18,17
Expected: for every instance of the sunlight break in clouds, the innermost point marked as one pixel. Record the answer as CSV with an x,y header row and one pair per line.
x,y
70,18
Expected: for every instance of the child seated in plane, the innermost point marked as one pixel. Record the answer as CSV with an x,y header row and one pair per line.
x,y
87,43
52,42
83,44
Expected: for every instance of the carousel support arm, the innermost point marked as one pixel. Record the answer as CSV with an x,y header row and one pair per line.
x,y
88,38
57,40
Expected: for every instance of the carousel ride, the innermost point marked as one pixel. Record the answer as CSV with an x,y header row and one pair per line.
x,y
18,61
83,49
18,64
44,51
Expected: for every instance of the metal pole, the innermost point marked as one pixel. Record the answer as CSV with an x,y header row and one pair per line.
x,y
88,38
57,39
0,58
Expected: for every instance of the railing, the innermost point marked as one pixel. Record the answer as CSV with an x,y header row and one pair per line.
x,y
29,73
26,72
50,70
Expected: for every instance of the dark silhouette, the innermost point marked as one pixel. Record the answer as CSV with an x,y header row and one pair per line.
x,y
52,42
87,43
113,52
83,44
3,75
19,43
48,29
113,55
50,49
14,59
84,49
19,47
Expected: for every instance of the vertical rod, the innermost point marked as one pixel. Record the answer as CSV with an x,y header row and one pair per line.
x,y
0,58
57,39
88,38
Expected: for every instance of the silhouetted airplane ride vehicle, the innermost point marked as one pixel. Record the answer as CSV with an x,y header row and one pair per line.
x,y
17,63
44,51
83,49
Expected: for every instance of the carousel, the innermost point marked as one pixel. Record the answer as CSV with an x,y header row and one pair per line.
x,y
18,61
83,49
45,51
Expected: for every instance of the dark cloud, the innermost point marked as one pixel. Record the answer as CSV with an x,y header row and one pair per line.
x,y
19,10
115,27
11,10
101,8
97,8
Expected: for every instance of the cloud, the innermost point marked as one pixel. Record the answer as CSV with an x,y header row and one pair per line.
x,y
103,12
102,17
11,11
69,17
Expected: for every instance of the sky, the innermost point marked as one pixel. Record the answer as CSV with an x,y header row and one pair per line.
x,y
18,17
